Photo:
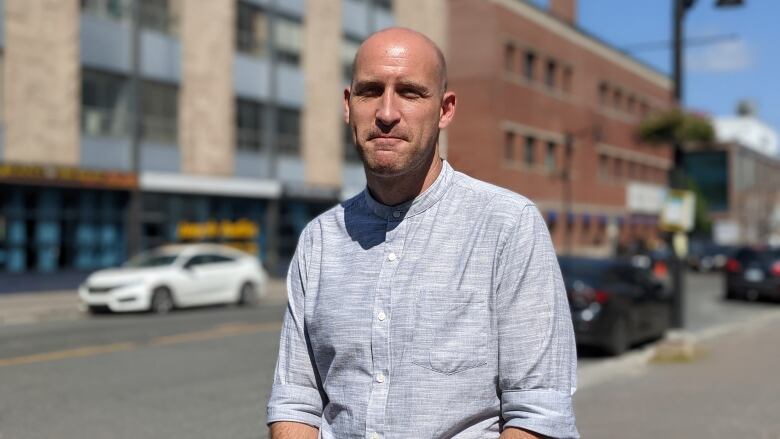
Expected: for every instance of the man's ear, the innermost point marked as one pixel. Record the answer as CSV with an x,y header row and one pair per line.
x,y
447,111
346,105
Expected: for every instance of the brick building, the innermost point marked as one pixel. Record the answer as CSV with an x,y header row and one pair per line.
x,y
551,112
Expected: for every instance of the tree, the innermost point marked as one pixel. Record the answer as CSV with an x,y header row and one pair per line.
x,y
676,127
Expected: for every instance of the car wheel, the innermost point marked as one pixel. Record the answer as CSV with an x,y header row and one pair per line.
x,y
247,295
752,295
618,337
95,310
162,301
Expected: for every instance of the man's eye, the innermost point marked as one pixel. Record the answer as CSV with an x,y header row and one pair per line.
x,y
369,91
410,94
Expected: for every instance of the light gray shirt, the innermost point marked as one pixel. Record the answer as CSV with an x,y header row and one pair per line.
x,y
442,317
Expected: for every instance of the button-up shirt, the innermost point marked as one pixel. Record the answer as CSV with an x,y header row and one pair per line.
x,y
442,317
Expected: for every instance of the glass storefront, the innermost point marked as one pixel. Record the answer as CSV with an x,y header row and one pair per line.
x,y
48,229
51,229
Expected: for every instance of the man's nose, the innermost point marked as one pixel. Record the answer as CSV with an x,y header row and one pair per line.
x,y
387,113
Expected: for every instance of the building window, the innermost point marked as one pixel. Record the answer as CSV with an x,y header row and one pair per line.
x,y
350,150
551,72
631,104
288,36
644,109
618,167
509,57
2,94
157,15
603,94
549,157
509,147
159,112
617,99
530,144
530,65
288,131
104,106
387,5
251,29
603,165
568,74
349,48
249,124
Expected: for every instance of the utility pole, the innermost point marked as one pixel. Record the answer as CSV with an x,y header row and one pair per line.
x,y
271,141
133,226
677,176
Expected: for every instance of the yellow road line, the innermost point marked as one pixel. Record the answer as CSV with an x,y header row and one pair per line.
x,y
221,331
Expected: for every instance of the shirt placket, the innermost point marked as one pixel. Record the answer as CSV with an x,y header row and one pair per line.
x,y
380,327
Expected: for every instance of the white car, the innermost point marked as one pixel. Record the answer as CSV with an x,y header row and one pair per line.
x,y
176,276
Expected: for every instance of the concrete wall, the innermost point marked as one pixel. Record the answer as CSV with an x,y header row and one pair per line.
x,y
322,150
42,81
206,102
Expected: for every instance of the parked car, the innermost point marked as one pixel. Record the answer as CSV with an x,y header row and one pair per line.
x,y
176,276
709,256
614,302
753,273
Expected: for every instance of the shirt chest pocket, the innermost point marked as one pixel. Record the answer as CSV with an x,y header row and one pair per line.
x,y
450,332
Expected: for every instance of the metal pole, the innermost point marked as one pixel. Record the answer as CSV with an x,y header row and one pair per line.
x,y
271,142
134,211
676,176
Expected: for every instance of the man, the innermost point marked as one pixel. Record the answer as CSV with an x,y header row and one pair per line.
x,y
431,305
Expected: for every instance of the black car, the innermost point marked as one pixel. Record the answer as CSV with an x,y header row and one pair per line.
x,y
709,256
754,273
614,303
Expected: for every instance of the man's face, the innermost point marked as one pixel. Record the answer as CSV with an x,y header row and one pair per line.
x,y
395,105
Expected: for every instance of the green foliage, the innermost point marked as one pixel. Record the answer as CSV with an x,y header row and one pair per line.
x,y
676,126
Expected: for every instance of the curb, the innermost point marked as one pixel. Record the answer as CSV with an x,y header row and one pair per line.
x,y
635,363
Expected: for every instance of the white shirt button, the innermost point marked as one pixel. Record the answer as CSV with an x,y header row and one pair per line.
x,y
391,257
381,316
380,378
374,435
396,214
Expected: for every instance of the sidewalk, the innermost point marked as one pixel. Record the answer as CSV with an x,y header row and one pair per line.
x,y
729,389
23,308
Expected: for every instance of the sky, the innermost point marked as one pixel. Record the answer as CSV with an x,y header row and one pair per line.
x,y
718,75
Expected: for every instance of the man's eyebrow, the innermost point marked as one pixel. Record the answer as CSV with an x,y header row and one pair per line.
x,y
416,86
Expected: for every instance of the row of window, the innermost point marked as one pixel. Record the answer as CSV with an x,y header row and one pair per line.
x,y
530,151
617,98
534,67
618,168
105,113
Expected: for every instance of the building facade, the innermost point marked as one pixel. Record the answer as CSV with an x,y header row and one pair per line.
x,y
551,112
240,131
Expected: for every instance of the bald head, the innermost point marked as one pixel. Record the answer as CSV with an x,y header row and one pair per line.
x,y
399,39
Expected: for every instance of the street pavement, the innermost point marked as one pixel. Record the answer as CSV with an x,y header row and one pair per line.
x,y
205,373
728,390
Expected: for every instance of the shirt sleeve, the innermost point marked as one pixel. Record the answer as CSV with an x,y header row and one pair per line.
x,y
537,358
296,394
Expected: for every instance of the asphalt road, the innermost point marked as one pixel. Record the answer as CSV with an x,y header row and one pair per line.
x,y
192,374
195,374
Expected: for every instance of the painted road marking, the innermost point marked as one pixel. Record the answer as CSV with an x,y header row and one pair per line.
x,y
221,331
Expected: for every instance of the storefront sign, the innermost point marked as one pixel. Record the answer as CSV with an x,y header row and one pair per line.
x,y
645,198
242,229
678,211
67,176
241,234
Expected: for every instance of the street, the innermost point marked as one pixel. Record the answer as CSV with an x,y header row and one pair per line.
x,y
206,373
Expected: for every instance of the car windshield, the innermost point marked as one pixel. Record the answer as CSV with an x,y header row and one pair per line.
x,y
152,260
750,256
591,271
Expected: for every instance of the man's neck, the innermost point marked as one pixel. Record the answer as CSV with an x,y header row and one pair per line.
x,y
392,191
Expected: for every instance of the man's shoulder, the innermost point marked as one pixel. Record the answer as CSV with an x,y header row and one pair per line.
x,y
500,200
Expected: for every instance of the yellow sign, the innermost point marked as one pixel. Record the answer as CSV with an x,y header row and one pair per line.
x,y
242,229
67,175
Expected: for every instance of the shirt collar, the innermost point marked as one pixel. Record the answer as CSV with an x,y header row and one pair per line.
x,y
417,205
